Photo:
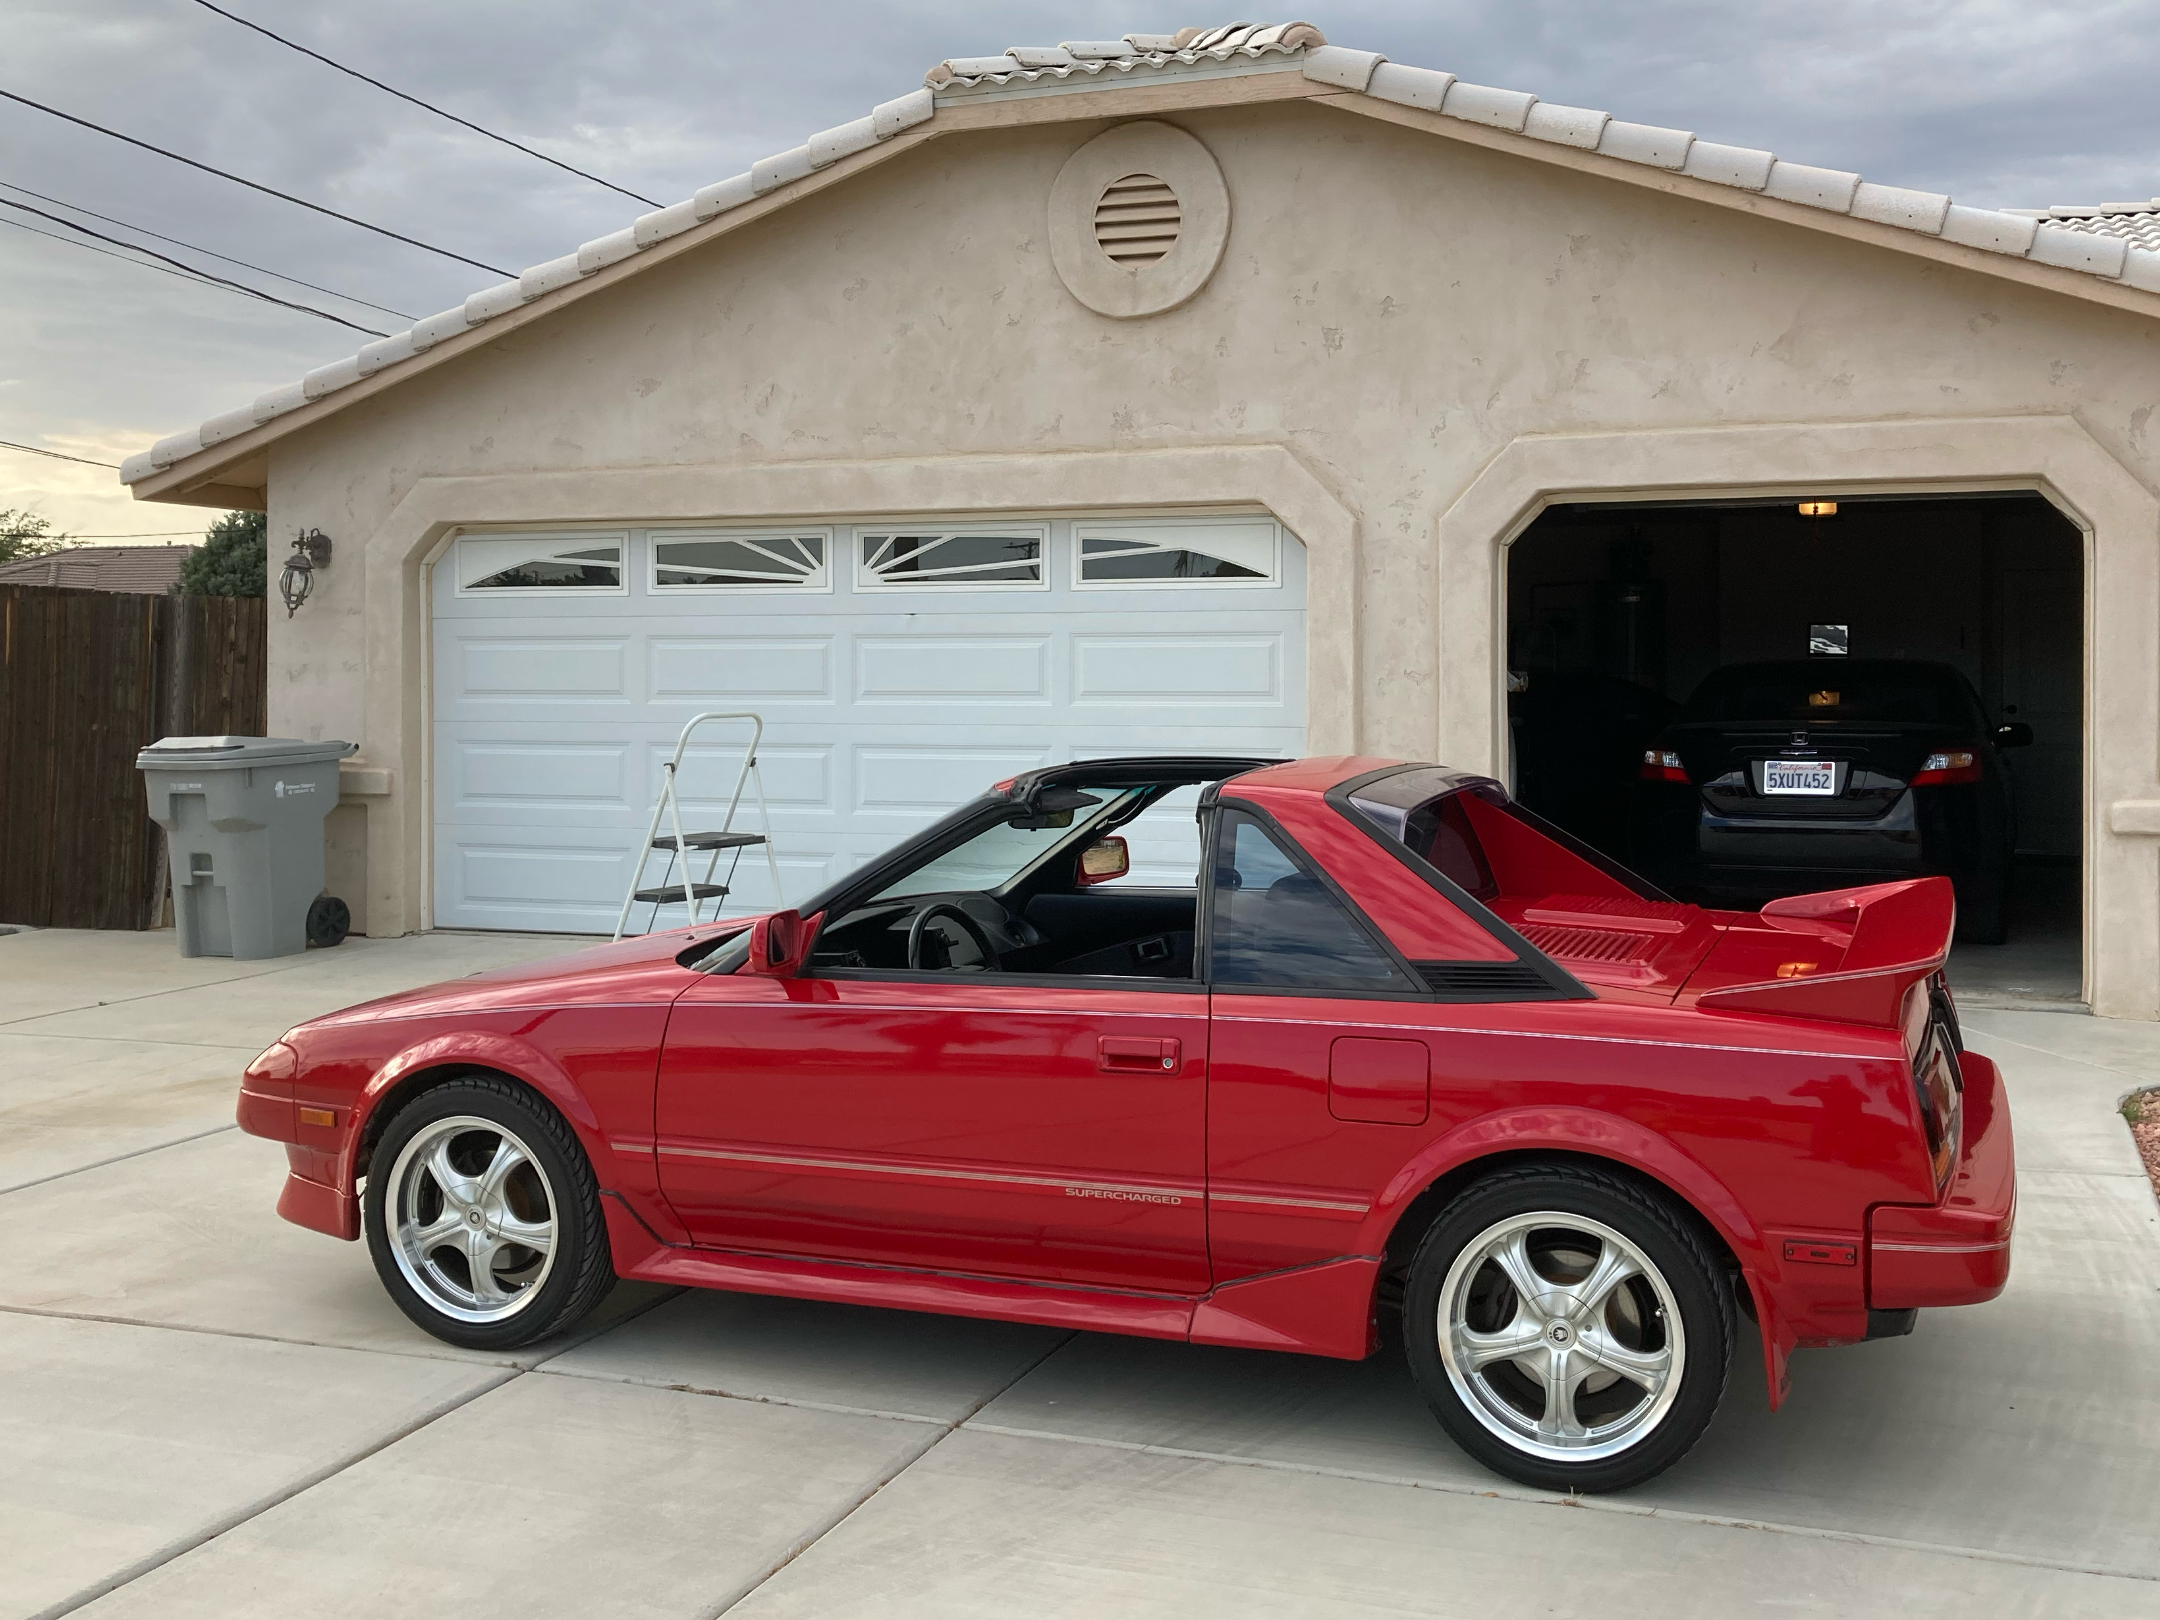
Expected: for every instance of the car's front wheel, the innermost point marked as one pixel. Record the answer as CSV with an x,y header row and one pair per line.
x,y
483,1217
1569,1329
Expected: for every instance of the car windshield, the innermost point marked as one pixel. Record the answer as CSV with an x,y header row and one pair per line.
x,y
1829,689
1001,852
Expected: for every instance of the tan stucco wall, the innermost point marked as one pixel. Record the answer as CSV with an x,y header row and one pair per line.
x,y
1393,313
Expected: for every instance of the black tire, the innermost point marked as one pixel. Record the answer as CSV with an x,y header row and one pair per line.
x,y
329,920
543,1293
1647,1425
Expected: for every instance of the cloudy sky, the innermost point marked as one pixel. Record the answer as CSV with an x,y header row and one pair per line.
x,y
2007,103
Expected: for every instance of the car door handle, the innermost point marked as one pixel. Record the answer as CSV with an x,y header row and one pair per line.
x,y
1126,1054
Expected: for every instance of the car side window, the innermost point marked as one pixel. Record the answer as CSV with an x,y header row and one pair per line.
x,y
1277,926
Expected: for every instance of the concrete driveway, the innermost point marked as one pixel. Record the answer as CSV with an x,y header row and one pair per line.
x,y
204,1411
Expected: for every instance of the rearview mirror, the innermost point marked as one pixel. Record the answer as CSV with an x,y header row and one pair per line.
x,y
1053,807
1103,860
780,944
2013,734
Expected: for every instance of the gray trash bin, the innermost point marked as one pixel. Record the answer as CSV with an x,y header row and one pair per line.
x,y
243,820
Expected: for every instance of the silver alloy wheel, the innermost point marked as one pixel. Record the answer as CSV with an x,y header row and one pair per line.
x,y
472,1219
1561,1336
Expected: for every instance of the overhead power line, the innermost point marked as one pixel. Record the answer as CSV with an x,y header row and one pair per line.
x,y
257,185
144,230
10,444
186,270
428,106
92,247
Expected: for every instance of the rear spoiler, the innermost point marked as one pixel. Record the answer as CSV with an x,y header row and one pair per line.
x,y
1894,936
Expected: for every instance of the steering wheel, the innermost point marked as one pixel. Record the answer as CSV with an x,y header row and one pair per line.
x,y
968,925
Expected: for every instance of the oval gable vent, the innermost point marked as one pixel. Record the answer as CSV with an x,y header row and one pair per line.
x,y
1137,220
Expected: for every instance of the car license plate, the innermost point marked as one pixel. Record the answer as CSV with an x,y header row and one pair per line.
x,y
1816,777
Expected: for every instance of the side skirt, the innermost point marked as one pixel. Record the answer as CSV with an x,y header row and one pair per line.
x,y
1318,1310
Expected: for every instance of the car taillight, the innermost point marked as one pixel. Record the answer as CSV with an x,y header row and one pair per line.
x,y
1949,766
1662,765
1941,1090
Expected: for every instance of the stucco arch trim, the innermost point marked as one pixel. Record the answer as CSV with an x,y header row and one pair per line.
x,y
398,554
2053,455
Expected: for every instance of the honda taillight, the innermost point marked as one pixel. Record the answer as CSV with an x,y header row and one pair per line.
x,y
1662,765
1950,766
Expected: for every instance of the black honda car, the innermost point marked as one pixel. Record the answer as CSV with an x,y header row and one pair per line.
x,y
1780,778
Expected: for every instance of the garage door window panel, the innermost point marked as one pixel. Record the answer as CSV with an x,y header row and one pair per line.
x,y
780,560
558,562
1151,556
952,559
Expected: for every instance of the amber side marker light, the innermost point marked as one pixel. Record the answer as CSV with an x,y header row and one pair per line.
x,y
326,1117
1796,970
1815,509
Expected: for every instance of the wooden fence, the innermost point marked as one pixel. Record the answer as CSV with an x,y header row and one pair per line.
x,y
86,679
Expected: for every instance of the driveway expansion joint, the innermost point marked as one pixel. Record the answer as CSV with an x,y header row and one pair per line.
x,y
1502,1491
263,1504
945,1430
837,1408
117,1158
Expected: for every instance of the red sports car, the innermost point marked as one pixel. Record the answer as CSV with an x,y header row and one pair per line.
x,y
1404,1053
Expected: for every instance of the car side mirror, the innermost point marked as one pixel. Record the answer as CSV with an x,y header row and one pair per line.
x,y
2013,734
780,944
1103,860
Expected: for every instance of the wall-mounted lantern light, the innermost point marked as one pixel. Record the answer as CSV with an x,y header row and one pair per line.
x,y
310,552
1817,509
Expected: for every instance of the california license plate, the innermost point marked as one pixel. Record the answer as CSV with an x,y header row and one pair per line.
x,y
1813,777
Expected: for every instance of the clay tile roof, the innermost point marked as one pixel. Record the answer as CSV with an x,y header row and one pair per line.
x,y
2117,244
145,570
2137,223
1142,54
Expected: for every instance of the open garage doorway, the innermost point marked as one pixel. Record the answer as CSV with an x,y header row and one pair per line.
x,y
1724,695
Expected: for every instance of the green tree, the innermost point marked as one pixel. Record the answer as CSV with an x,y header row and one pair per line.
x,y
25,534
233,560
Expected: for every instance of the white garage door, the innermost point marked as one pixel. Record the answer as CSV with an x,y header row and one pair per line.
x,y
900,669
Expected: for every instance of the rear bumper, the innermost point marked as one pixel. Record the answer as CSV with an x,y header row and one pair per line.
x,y
1956,1252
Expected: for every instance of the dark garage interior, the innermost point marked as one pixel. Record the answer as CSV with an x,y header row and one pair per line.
x,y
1619,614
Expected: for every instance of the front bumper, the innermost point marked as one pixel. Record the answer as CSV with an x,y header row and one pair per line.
x,y
314,1141
1956,1252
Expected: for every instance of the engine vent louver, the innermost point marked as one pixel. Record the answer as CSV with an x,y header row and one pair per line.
x,y
1589,944
1485,981
1137,220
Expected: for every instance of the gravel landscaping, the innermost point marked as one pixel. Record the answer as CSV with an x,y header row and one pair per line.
x,y
2142,1110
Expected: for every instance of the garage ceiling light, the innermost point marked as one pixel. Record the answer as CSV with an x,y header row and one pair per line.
x,y
1818,508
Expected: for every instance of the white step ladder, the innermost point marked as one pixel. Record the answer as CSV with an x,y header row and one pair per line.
x,y
694,892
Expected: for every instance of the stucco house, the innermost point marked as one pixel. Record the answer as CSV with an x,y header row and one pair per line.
x,y
1229,391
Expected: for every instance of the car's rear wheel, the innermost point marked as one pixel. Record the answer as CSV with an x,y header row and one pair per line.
x,y
1570,1329
483,1217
